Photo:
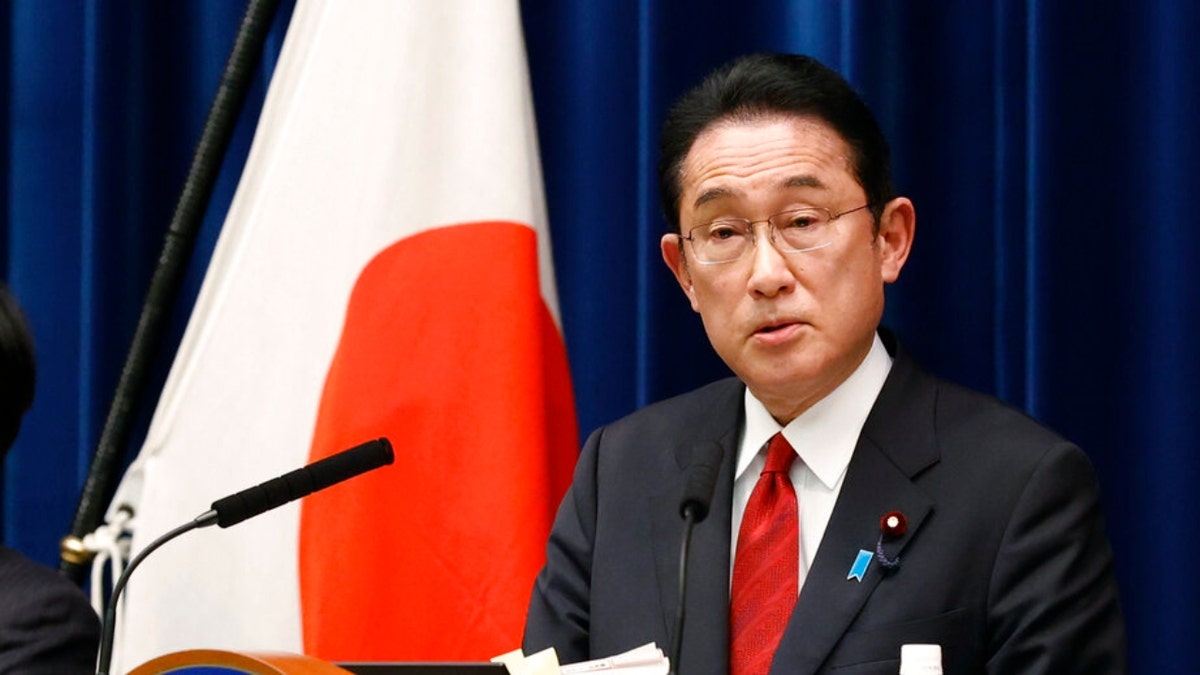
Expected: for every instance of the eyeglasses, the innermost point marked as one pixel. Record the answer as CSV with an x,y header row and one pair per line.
x,y
792,231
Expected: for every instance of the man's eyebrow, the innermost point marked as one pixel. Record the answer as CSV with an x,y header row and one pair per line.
x,y
803,180
710,195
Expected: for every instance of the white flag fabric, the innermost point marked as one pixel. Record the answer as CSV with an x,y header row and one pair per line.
x,y
384,271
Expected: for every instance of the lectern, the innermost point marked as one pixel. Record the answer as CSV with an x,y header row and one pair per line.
x,y
220,662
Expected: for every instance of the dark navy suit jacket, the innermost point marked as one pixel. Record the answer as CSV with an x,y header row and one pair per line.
x,y
1005,563
46,623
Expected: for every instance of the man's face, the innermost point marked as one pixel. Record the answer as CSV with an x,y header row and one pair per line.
x,y
792,326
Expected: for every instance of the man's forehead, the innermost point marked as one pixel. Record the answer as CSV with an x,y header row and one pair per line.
x,y
789,151
718,192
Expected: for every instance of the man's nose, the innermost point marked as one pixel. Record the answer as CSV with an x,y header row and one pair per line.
x,y
769,272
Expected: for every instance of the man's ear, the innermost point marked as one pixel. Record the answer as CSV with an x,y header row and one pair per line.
x,y
676,259
897,227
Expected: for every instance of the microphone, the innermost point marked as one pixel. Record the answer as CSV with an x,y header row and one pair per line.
x,y
693,508
302,482
251,502
701,480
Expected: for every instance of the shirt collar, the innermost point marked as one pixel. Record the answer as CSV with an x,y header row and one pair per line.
x,y
824,435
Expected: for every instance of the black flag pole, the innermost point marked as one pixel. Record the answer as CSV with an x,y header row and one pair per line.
x,y
202,175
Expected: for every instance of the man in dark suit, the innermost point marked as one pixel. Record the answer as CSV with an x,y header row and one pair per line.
x,y
922,513
46,623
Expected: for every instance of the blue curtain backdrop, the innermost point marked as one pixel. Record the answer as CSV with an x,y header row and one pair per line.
x,y
1051,149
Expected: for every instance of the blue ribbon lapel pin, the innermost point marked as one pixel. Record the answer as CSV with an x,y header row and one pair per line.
x,y
859,568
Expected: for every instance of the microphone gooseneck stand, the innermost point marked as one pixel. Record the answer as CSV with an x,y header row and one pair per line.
x,y
110,612
689,524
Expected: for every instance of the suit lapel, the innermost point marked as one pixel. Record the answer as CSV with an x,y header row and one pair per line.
x,y
897,442
831,598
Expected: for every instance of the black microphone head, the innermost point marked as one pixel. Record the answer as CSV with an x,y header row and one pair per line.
x,y
349,463
701,481
293,485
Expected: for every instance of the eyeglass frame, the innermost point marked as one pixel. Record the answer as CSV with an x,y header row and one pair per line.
x,y
771,231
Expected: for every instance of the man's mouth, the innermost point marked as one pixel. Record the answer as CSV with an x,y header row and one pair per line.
x,y
775,327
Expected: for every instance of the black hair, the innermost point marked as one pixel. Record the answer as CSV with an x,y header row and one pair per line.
x,y
18,369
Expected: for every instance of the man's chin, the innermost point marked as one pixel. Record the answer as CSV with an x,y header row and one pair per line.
x,y
792,382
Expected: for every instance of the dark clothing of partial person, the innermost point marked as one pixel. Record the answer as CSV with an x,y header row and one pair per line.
x,y
46,623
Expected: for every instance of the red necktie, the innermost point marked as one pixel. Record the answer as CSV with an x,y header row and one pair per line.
x,y
766,568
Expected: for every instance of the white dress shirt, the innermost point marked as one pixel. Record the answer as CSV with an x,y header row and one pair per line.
x,y
824,437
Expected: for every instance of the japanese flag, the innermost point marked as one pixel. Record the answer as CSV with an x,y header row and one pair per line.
x,y
384,271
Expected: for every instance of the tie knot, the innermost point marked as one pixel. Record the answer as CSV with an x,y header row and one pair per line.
x,y
780,455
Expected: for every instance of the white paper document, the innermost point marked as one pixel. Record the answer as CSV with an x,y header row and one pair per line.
x,y
645,660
